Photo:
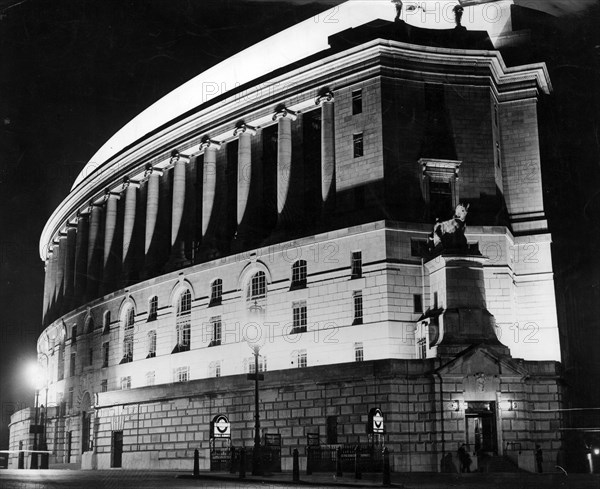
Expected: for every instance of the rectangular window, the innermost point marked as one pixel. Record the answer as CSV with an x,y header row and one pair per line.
x,y
61,363
72,364
356,102
299,317
183,334
153,309
301,359
70,398
105,354
151,344
215,327
357,144
299,275
422,348
181,374
358,307
216,292
251,367
332,430
440,199
150,378
91,357
417,303
435,300
359,353
74,334
218,368
125,383
104,386
356,264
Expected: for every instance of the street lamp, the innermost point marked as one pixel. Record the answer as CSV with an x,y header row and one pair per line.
x,y
255,342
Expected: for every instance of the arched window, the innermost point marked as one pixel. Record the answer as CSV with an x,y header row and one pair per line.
x,y
151,344
106,322
183,322
257,288
298,275
128,320
152,308
216,292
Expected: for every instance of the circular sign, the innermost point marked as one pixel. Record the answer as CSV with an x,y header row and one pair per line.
x,y
221,427
377,421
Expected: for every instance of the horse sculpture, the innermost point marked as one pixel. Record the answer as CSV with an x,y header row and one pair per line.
x,y
450,234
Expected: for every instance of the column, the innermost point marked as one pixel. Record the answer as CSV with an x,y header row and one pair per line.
x,y
94,264
177,252
52,282
81,258
69,278
110,225
325,99
284,157
153,175
209,177
47,283
60,273
244,170
127,258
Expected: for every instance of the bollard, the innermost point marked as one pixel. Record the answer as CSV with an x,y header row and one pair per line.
x,y
243,463
338,462
386,468
196,463
296,466
357,472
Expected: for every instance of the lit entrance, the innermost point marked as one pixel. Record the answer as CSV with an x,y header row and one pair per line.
x,y
480,425
117,449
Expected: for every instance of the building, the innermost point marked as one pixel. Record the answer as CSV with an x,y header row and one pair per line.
x,y
290,203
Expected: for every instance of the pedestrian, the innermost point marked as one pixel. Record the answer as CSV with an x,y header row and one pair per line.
x,y
464,459
539,458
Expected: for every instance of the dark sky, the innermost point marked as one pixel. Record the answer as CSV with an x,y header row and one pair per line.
x,y
73,72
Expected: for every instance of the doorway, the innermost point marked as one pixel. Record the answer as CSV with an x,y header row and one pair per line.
x,y
480,424
117,449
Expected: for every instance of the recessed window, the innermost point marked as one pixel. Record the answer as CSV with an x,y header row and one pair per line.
x,y
105,354
151,344
301,359
435,300
214,369
152,308
125,383
61,362
422,348
299,317
71,397
150,378
215,327
357,102
358,307
250,366
357,144
216,292
106,322
356,264
104,385
183,322
74,334
298,275
417,303
258,286
181,374
359,353
90,356
128,321
72,364
332,425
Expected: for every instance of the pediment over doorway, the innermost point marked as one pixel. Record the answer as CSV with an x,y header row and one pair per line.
x,y
482,359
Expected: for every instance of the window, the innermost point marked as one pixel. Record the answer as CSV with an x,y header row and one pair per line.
x,y
301,359
356,102
216,292
90,357
214,369
332,430
356,264
61,362
150,378
299,317
422,348
440,199
359,353
70,398
435,300
358,307
258,286
250,367
104,386
106,322
498,155
125,383
105,354
183,322
151,344
357,144
74,334
72,364
215,327
417,303
128,323
440,186
181,374
152,308
298,275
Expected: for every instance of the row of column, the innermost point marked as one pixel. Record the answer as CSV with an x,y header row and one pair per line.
x,y
99,251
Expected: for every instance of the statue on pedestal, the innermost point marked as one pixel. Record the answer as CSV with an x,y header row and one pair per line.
x,y
450,235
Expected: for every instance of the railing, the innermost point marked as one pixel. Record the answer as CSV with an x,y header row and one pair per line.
x,y
324,458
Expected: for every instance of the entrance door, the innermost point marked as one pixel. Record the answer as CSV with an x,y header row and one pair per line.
x,y
481,427
117,449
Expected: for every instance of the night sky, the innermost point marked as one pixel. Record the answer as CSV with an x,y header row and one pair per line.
x,y
73,72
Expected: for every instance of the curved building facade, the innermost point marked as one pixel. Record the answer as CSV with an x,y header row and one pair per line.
x,y
290,205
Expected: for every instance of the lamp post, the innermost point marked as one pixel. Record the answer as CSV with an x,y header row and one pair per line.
x,y
35,374
44,441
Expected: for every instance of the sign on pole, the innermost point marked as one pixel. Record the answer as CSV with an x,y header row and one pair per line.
x,y
221,427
